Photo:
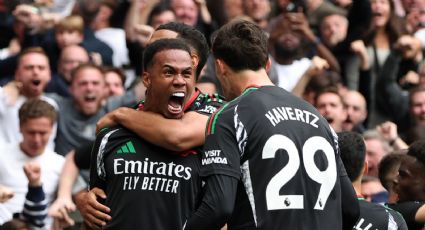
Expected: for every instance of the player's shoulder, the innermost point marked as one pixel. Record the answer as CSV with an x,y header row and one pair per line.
x,y
205,103
115,134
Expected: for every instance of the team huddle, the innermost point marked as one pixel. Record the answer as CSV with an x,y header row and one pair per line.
x,y
269,158
258,157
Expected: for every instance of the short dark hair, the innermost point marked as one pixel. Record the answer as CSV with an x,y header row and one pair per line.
x,y
242,45
37,108
417,150
194,39
389,163
352,148
161,45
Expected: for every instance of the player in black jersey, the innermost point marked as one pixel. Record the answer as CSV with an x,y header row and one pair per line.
x,y
410,187
174,134
146,186
270,160
372,216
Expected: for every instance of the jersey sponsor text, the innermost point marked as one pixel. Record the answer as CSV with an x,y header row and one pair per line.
x,y
150,169
213,156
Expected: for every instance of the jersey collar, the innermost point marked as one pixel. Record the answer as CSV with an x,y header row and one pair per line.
x,y
192,99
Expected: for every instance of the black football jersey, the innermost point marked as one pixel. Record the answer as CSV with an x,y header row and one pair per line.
x,y
148,187
377,217
408,211
286,156
145,185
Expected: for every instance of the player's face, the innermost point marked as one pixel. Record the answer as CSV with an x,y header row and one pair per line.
x,y
36,133
410,182
164,34
88,90
169,82
33,72
417,107
374,153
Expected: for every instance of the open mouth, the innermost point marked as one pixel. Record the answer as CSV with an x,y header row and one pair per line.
x,y
175,103
36,82
377,15
348,121
329,119
89,98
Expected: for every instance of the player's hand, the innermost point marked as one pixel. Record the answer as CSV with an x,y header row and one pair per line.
x,y
110,120
5,194
388,130
60,203
33,172
94,213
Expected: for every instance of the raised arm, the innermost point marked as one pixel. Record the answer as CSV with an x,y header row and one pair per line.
x,y
172,134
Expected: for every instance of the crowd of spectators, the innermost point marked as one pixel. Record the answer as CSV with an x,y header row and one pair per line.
x,y
359,62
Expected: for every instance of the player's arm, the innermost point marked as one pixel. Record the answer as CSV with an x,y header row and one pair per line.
x,y
172,134
221,178
217,203
350,204
94,213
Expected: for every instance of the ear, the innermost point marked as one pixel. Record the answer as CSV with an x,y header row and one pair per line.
x,y
146,79
268,64
195,61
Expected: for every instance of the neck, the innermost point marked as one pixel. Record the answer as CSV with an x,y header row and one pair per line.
x,y
246,78
100,25
285,61
357,185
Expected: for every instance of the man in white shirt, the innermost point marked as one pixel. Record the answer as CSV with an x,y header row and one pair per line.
x,y
32,75
37,118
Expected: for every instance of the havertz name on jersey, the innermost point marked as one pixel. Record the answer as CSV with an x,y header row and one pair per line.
x,y
279,114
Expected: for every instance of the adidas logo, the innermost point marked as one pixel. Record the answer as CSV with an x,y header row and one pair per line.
x,y
126,148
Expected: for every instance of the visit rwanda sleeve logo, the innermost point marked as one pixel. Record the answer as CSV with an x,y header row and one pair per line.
x,y
126,148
